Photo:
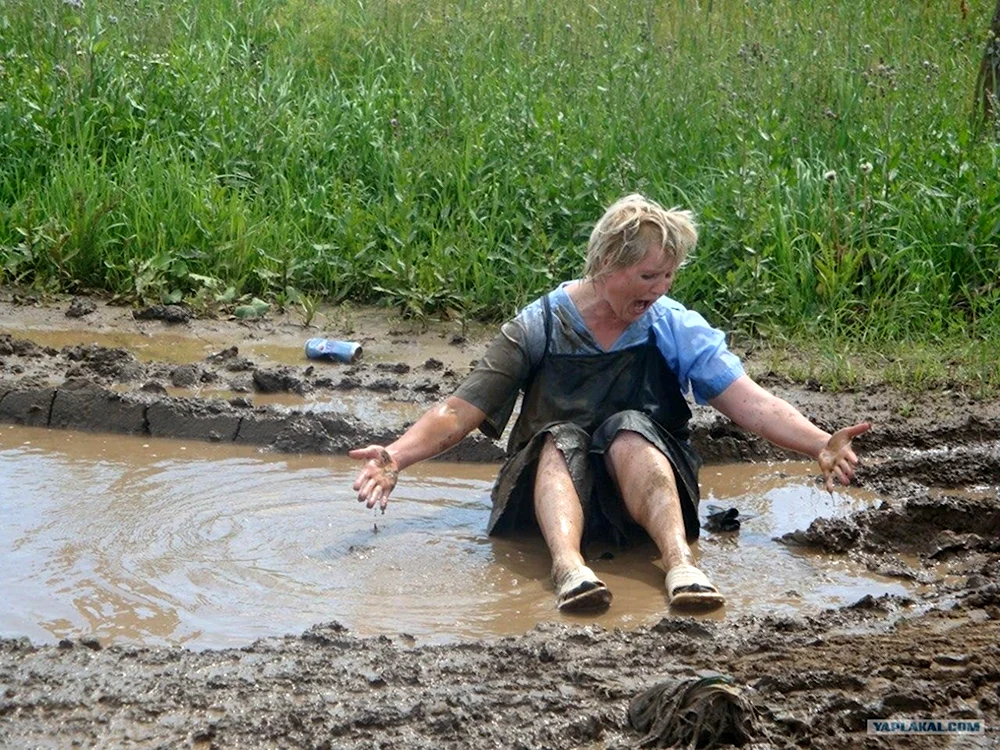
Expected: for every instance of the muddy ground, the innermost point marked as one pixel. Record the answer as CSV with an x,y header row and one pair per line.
x,y
815,680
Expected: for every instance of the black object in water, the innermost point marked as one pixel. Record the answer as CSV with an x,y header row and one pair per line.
x,y
723,519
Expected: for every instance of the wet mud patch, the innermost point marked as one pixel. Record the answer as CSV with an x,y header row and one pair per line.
x,y
31,374
817,678
556,687
166,313
81,306
112,365
109,390
17,347
930,526
949,464
950,542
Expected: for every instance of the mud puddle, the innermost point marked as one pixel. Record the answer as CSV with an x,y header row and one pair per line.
x,y
203,541
176,348
280,343
363,408
176,542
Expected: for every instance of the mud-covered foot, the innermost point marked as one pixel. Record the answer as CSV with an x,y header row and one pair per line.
x,y
689,588
580,590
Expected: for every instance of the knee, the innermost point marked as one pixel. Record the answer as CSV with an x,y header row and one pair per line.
x,y
627,443
630,456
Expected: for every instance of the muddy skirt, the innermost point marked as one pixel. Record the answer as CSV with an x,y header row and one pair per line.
x,y
604,512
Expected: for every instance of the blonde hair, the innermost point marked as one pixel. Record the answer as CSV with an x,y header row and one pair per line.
x,y
630,227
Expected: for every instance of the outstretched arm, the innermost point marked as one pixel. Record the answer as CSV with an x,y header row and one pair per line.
x,y
436,431
755,409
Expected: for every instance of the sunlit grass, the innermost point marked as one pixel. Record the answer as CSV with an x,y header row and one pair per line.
x,y
449,157
968,368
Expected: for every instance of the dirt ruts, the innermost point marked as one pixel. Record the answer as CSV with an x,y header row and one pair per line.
x,y
95,388
109,390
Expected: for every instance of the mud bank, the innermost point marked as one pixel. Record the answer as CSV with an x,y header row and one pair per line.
x,y
84,364
100,389
817,680
82,404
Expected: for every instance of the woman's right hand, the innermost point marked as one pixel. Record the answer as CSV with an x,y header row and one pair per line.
x,y
377,477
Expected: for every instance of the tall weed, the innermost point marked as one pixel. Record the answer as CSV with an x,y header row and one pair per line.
x,y
449,157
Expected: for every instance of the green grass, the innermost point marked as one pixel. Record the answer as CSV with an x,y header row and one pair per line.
x,y
968,368
450,157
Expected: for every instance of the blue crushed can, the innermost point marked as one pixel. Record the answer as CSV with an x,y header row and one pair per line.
x,y
331,349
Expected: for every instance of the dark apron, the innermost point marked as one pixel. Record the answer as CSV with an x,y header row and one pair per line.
x,y
584,401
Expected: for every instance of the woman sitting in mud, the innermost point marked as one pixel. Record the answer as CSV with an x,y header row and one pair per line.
x,y
601,443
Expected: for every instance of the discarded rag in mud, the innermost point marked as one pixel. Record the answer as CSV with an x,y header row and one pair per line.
x,y
694,713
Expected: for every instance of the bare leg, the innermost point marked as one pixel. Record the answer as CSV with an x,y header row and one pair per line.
x,y
646,481
560,518
647,484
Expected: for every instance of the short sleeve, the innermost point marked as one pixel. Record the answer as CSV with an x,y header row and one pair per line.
x,y
696,352
494,384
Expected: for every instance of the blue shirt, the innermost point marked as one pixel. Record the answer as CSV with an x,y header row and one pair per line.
x,y
695,351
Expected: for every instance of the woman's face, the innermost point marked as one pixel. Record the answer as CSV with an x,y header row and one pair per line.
x,y
632,290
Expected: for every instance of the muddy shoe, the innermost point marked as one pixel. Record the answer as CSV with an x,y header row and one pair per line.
x,y
689,588
581,590
723,519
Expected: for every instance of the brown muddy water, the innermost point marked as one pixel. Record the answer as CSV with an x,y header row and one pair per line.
x,y
271,348
206,545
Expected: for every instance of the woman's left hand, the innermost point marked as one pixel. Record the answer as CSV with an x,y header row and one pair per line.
x,y
837,459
